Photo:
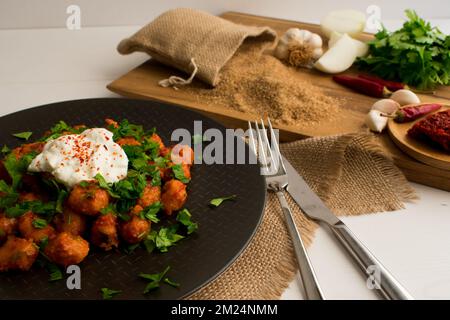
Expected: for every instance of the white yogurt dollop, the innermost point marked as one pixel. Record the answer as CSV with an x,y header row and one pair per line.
x,y
78,157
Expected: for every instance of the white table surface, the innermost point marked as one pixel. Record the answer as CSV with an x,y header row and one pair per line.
x,y
39,66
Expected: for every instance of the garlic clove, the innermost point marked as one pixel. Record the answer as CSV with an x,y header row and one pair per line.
x,y
387,106
375,121
305,35
317,53
292,33
405,96
315,41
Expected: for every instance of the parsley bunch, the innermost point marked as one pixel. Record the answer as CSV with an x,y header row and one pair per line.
x,y
417,54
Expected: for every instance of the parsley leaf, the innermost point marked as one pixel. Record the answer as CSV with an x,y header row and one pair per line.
x,y
218,201
105,185
179,173
5,149
150,212
17,167
154,279
108,294
62,195
171,283
163,239
23,135
39,223
9,196
184,217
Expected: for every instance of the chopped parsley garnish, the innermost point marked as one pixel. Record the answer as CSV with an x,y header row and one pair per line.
x,y
184,217
55,272
171,283
84,184
39,223
150,212
38,207
108,294
23,135
163,239
9,196
218,201
17,167
131,187
105,185
154,279
5,149
62,195
179,173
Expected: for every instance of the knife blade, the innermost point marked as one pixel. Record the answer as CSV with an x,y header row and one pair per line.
x,y
314,208
306,198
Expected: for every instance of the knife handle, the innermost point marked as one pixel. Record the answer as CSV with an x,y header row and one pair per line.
x,y
309,279
382,279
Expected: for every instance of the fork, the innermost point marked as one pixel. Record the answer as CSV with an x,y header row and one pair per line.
x,y
276,178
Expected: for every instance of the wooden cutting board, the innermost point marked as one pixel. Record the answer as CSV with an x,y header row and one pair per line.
x,y
142,82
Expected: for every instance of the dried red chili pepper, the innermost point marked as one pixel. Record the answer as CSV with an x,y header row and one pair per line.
x,y
391,85
413,112
364,86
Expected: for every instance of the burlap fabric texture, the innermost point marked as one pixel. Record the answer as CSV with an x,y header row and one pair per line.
x,y
350,173
193,41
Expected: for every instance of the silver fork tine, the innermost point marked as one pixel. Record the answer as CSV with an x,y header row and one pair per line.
x,y
274,141
261,149
273,163
252,139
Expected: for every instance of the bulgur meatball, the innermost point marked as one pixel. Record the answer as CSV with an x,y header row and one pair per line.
x,y
136,229
88,200
182,154
8,226
150,195
156,138
104,232
128,141
71,222
173,196
17,254
25,149
111,122
29,231
66,249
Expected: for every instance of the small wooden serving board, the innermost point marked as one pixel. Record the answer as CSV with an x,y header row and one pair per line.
x,y
418,149
142,82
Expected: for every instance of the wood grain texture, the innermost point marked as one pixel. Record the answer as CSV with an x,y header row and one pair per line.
x,y
142,82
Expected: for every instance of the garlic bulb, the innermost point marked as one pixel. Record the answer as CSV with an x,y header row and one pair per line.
x,y
305,44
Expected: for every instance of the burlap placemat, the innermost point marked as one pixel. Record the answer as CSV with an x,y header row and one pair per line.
x,y
350,173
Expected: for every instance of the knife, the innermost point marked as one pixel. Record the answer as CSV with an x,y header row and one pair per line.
x,y
315,209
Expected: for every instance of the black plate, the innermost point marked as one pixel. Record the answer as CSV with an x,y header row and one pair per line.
x,y
223,233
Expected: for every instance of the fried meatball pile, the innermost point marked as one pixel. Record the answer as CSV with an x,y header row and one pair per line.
x,y
84,218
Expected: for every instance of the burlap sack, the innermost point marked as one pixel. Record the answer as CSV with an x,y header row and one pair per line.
x,y
192,41
350,173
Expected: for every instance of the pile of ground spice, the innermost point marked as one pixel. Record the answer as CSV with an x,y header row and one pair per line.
x,y
258,83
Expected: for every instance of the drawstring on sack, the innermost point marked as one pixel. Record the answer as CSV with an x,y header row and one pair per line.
x,y
174,81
